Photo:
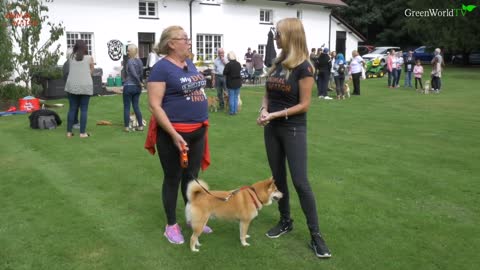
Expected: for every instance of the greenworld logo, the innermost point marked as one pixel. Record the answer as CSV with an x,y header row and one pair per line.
x,y
435,12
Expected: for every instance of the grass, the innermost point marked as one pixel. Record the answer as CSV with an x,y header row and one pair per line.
x,y
395,175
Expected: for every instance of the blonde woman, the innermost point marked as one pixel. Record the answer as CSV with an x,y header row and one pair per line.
x,y
283,115
233,80
132,88
180,110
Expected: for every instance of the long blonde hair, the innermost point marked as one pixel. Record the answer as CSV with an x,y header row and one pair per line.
x,y
167,35
294,45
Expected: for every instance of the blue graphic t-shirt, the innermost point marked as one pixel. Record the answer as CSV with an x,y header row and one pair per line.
x,y
184,100
284,93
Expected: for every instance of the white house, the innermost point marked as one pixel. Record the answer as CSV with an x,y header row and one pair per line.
x,y
232,24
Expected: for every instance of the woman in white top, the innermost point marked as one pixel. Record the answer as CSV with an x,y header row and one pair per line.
x,y
356,65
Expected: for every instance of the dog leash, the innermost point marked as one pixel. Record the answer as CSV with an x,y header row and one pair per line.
x,y
226,199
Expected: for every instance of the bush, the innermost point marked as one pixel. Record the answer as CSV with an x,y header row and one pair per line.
x,y
41,75
13,92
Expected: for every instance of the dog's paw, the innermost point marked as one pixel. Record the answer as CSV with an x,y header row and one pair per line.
x,y
195,249
198,244
244,243
247,236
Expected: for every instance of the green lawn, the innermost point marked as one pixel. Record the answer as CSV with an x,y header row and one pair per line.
x,y
396,176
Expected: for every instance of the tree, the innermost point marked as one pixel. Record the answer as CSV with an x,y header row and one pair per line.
x,y
27,18
457,33
381,22
6,64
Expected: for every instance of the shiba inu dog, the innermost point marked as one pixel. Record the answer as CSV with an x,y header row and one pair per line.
x,y
241,204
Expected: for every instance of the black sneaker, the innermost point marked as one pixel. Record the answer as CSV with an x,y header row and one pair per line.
x,y
319,247
283,226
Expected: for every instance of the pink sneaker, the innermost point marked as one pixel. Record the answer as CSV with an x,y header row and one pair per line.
x,y
206,229
174,234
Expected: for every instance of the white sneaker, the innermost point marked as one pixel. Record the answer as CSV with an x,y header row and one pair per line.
x,y
321,97
327,97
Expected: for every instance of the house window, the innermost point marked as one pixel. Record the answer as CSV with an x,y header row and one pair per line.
x,y
72,38
147,9
207,46
299,14
261,49
266,16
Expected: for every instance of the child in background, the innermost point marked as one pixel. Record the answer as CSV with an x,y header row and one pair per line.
x,y
418,72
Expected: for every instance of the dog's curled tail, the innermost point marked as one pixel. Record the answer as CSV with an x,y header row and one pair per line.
x,y
194,189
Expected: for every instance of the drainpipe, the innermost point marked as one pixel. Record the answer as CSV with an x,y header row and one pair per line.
x,y
190,6
329,29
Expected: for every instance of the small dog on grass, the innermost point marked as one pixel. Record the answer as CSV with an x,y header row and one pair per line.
x,y
346,90
213,104
242,204
427,88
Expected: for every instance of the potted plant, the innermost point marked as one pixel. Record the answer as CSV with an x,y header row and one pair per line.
x,y
51,79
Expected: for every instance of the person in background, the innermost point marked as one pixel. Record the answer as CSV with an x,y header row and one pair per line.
x,y
331,82
436,74
339,75
438,59
323,66
132,88
392,68
179,122
218,78
409,65
248,61
418,72
400,63
153,58
79,87
283,115
66,70
234,81
313,55
356,65
257,60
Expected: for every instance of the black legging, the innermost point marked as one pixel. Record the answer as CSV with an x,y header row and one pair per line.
x,y
290,143
173,173
356,83
418,80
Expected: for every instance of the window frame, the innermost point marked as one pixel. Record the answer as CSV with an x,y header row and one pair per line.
x,y
147,6
81,36
206,46
270,16
261,48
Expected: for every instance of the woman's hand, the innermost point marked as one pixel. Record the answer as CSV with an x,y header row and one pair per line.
x,y
263,119
179,141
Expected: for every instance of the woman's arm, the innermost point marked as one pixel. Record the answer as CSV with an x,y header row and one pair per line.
x,y
156,92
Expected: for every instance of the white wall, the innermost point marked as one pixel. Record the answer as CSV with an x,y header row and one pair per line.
x,y
237,21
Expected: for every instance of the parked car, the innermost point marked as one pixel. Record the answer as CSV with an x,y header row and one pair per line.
x,y
424,53
364,49
379,52
474,58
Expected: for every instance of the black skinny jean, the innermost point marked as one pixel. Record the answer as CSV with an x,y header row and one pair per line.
x,y
173,173
356,83
290,144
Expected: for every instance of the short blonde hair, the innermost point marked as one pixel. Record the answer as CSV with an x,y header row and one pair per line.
x,y
167,35
231,56
132,50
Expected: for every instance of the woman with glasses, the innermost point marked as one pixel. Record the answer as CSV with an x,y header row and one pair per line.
x,y
284,116
180,117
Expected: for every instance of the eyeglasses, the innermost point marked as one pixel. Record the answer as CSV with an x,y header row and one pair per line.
x,y
186,39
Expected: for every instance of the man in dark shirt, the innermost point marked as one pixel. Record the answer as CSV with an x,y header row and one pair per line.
x,y
323,66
